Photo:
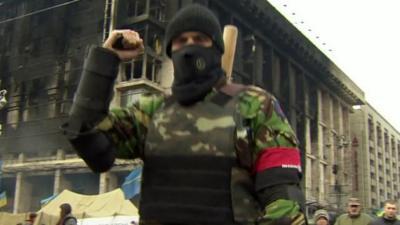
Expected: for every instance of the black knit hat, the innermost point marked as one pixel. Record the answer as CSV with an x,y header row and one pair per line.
x,y
194,18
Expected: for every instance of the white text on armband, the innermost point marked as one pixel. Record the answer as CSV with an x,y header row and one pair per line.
x,y
292,166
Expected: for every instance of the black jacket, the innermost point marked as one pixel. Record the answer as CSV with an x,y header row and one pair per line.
x,y
383,221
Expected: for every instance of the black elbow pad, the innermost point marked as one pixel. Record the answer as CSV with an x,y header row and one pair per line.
x,y
95,149
90,106
282,191
95,89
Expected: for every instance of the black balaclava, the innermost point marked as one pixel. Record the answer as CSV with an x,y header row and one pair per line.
x,y
196,68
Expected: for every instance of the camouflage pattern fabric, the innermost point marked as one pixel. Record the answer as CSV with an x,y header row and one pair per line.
x,y
128,126
283,212
260,125
271,128
202,129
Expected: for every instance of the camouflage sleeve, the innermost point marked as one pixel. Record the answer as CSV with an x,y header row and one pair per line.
x,y
127,127
274,141
276,158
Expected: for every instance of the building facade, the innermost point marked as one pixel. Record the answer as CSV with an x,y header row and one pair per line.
x,y
376,150
41,55
40,65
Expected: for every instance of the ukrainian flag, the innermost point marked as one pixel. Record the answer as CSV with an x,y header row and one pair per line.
x,y
3,199
44,202
131,185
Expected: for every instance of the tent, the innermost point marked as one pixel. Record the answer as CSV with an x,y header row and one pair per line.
x,y
111,206
12,219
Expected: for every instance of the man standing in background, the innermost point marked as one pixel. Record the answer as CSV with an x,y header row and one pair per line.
x,y
389,214
321,217
354,216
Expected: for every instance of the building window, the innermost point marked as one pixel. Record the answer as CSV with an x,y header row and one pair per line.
x,y
372,162
393,145
372,175
136,8
133,69
398,149
372,151
157,9
386,141
379,134
370,129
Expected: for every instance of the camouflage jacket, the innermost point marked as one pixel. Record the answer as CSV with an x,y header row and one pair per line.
x,y
264,142
263,131
260,112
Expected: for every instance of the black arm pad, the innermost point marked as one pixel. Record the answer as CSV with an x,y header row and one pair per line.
x,y
282,191
95,89
90,106
96,150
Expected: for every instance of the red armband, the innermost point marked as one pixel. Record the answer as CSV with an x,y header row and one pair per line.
x,y
283,157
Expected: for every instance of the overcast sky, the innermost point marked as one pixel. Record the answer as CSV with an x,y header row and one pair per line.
x,y
362,37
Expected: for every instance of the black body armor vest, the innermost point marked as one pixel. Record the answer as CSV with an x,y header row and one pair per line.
x,y
187,164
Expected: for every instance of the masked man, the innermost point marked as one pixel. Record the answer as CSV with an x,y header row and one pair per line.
x,y
214,153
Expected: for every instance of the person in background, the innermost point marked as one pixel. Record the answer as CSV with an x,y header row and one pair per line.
x,y
389,216
354,216
321,217
66,217
31,219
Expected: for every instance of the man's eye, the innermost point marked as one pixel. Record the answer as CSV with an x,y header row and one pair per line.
x,y
182,40
202,38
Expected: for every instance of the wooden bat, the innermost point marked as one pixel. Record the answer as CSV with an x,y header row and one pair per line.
x,y
230,38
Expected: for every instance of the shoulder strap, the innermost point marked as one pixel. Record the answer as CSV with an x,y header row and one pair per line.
x,y
226,92
232,89
243,132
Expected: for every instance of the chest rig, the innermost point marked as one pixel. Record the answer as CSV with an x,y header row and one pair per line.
x,y
188,160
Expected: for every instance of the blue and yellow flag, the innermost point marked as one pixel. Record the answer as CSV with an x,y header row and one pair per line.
x,y
131,185
3,199
43,202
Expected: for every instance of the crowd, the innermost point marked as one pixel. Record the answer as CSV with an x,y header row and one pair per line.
x,y
355,216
